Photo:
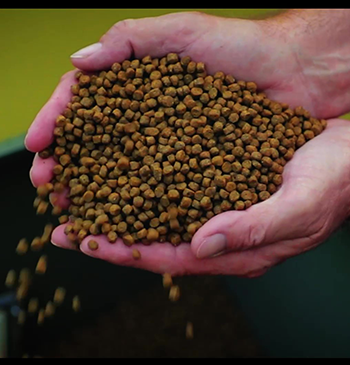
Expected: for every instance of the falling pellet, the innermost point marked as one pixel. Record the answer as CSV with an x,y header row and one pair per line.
x,y
41,265
189,330
47,233
37,244
41,316
59,295
10,280
49,309
76,304
174,293
33,305
42,207
24,282
24,276
167,280
22,291
22,247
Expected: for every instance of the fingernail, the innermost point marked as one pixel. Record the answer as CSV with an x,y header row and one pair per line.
x,y
54,242
87,51
212,246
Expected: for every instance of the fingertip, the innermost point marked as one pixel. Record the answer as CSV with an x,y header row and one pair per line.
x,y
60,239
211,246
86,51
56,236
105,249
102,58
84,245
157,257
60,199
40,132
220,234
41,171
28,143
209,228
256,274
239,230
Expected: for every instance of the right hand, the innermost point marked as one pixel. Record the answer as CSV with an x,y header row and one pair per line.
x,y
242,48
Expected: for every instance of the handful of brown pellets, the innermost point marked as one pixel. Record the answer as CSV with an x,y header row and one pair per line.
x,y
151,149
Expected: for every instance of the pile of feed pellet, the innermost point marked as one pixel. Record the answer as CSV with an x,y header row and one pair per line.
x,y
151,149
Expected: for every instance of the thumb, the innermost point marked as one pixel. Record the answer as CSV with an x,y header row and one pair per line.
x,y
297,210
154,36
279,218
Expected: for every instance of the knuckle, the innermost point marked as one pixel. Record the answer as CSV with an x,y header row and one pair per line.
x,y
255,235
119,27
123,25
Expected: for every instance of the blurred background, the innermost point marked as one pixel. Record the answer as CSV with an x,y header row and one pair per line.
x,y
299,309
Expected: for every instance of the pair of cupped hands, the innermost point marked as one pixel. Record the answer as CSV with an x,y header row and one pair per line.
x,y
314,198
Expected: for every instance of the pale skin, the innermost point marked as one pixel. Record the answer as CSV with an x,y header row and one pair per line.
x,y
300,57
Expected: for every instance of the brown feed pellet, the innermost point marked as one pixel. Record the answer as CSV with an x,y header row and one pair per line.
x,y
189,330
59,295
76,303
167,280
136,254
174,293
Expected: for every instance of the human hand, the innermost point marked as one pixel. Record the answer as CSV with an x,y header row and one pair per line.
x,y
295,218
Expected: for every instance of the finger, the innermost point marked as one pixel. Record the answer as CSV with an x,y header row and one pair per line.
x,y
278,218
60,239
40,133
41,171
155,257
236,230
178,261
155,36
164,257
60,199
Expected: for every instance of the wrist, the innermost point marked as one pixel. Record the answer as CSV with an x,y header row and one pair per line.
x,y
319,41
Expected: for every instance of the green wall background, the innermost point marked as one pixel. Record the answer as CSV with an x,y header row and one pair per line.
x,y
35,48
